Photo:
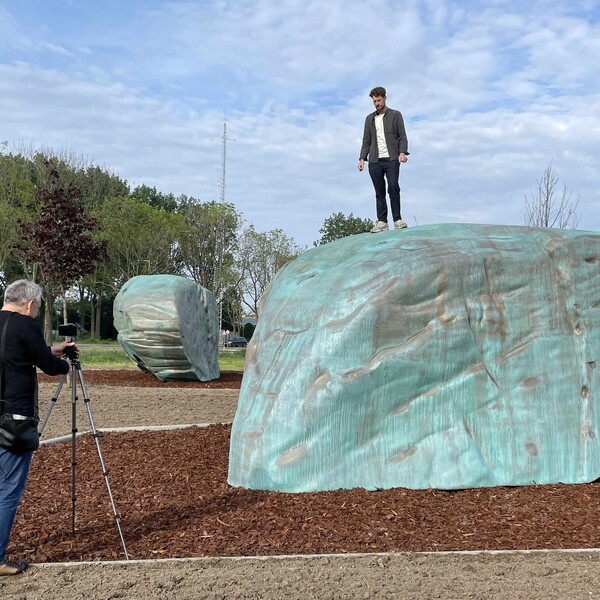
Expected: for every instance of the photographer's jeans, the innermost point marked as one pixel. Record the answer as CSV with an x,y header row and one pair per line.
x,y
14,469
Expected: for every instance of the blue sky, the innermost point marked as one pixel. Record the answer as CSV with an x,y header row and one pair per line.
x,y
491,92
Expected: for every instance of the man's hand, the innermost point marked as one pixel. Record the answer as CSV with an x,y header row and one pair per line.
x,y
59,349
361,164
402,158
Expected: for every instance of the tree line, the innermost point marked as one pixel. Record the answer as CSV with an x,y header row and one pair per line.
x,y
81,231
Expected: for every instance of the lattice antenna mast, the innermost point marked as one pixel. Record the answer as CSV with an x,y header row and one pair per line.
x,y
224,140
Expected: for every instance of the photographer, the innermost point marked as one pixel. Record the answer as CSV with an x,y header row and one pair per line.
x,y
23,348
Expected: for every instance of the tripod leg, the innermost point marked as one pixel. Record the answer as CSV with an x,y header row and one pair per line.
x,y
96,437
73,445
52,404
73,434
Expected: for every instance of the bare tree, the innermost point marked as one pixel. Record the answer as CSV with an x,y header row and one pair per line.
x,y
549,207
261,257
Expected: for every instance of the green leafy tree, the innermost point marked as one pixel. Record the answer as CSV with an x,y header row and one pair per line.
x,y
208,244
58,247
142,240
338,225
45,162
156,199
17,202
98,185
94,183
16,187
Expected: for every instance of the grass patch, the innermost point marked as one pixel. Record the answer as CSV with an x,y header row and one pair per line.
x,y
232,361
113,356
87,339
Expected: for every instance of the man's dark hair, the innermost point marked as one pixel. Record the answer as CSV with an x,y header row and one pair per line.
x,y
377,91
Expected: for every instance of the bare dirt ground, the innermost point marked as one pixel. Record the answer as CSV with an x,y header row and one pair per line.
x,y
171,491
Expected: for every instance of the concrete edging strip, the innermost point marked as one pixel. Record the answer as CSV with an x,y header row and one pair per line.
x,y
151,561
68,437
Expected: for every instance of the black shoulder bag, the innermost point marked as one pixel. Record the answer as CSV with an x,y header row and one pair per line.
x,y
18,433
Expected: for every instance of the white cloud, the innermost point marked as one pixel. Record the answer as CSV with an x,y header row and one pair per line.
x,y
490,93
9,28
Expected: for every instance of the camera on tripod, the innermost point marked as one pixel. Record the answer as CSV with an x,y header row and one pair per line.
x,y
69,330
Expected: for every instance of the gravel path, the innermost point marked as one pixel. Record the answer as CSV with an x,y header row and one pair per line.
x,y
137,407
507,576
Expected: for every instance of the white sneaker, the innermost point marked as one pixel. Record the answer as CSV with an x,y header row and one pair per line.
x,y
379,226
400,224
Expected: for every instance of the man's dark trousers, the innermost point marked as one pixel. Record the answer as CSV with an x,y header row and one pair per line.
x,y
386,168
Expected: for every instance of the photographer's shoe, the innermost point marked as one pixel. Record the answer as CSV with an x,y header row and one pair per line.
x,y
379,226
400,224
9,567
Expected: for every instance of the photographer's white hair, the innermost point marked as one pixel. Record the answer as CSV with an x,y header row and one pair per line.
x,y
21,291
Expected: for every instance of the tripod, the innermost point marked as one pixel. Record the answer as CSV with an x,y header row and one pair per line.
x,y
77,375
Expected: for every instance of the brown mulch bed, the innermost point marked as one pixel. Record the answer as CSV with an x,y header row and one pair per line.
x,y
137,378
170,488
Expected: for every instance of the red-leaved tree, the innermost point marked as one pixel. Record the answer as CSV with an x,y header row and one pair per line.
x,y
58,248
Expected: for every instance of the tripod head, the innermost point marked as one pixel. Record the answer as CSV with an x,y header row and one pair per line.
x,y
69,330
72,353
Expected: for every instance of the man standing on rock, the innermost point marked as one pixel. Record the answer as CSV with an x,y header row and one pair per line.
x,y
386,146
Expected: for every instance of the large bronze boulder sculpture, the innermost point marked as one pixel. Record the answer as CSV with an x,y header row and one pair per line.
x,y
169,326
443,356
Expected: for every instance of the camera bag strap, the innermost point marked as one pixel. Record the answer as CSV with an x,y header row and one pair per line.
x,y
2,348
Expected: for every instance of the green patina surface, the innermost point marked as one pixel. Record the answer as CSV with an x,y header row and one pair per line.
x,y
169,326
444,356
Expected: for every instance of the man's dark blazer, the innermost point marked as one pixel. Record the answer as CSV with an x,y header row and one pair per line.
x,y
395,136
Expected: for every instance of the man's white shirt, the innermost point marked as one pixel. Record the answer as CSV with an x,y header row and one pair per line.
x,y
381,143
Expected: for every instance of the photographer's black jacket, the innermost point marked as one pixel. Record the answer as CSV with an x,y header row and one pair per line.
x,y
25,350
